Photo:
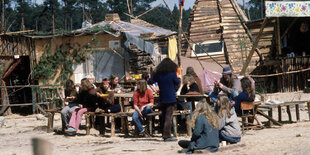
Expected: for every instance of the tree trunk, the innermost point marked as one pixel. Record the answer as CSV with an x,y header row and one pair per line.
x,y
243,5
2,18
71,23
262,10
53,17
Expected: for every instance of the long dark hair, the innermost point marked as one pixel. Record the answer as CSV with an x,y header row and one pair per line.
x,y
247,87
166,66
112,77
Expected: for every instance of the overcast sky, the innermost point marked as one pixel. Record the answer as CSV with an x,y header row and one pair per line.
x,y
171,3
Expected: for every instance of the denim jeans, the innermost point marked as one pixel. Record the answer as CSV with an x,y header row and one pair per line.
x,y
186,106
135,117
223,137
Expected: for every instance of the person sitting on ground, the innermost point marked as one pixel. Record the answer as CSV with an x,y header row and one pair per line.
x,y
190,71
229,125
190,87
247,95
229,84
115,86
71,103
206,133
87,103
143,102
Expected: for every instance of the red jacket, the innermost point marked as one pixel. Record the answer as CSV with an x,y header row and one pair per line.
x,y
140,99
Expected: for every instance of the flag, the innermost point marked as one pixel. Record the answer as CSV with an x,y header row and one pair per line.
x,y
181,2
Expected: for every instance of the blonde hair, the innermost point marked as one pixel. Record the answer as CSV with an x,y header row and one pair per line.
x,y
223,104
143,86
188,79
203,108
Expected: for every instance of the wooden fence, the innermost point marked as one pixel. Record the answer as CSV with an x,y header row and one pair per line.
x,y
49,95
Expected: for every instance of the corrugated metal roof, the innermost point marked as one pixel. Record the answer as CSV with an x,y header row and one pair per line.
x,y
133,29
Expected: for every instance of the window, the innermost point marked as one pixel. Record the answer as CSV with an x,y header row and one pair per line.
x,y
211,47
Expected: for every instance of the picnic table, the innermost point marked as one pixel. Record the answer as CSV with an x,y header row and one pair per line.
x,y
270,108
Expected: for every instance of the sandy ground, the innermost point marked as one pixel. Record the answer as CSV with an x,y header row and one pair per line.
x,y
17,132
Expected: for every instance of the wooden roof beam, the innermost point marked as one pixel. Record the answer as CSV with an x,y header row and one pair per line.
x,y
248,60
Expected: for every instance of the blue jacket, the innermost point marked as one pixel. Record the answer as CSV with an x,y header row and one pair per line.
x,y
204,136
166,83
243,96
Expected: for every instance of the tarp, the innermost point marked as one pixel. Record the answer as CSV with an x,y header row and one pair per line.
x,y
207,78
287,8
101,64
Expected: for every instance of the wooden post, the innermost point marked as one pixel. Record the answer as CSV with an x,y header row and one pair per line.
x,y
180,36
248,60
278,37
270,115
279,113
112,126
150,119
41,147
188,125
289,113
308,106
87,118
175,126
50,122
297,112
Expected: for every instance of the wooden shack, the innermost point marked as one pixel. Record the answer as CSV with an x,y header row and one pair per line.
x,y
283,43
105,48
217,33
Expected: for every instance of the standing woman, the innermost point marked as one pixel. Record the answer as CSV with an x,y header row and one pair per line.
x,y
166,77
206,134
190,71
87,100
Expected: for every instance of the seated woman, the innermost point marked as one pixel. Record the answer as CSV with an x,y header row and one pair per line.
x,y
71,103
247,94
229,125
115,86
189,87
87,100
143,101
206,133
106,103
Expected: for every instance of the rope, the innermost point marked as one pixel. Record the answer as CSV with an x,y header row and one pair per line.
x,y
283,73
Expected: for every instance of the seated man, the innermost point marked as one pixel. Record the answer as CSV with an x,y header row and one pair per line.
x,y
229,84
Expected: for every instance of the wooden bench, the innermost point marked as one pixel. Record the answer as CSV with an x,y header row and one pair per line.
x,y
270,107
124,116
174,121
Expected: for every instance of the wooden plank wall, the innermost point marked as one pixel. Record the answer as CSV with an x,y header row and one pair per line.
x,y
16,45
266,42
216,20
237,42
204,25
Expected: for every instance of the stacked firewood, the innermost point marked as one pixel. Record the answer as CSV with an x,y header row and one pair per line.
x,y
139,61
